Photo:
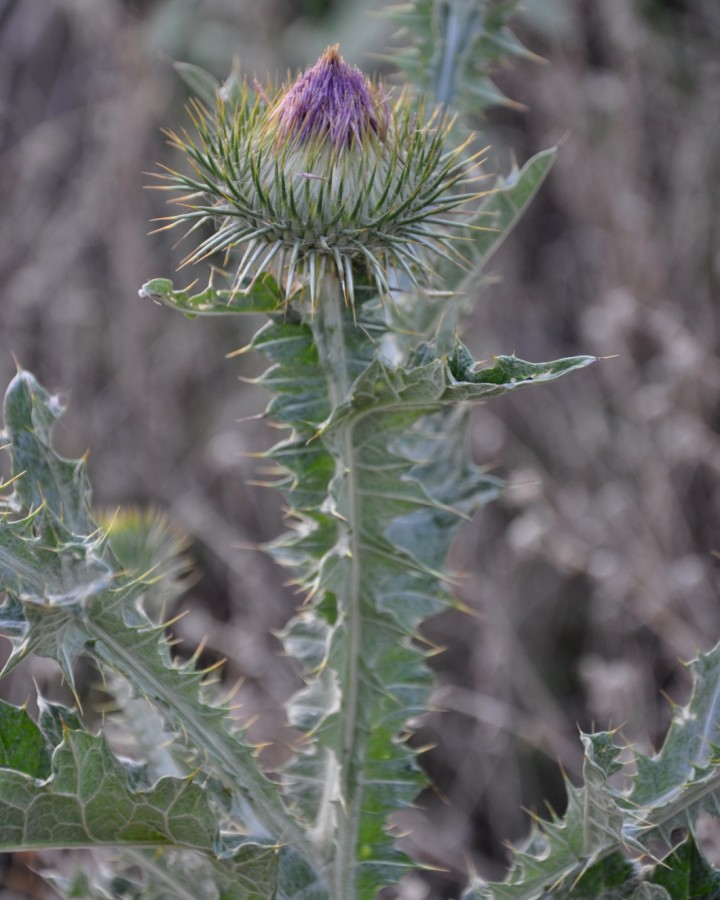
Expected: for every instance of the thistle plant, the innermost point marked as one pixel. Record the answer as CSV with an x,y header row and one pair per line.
x,y
357,220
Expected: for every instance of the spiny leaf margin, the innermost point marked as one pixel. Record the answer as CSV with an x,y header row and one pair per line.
x,y
669,791
454,48
67,596
380,459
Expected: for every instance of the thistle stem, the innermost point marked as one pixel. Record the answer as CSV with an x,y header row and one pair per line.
x,y
445,86
332,326
329,324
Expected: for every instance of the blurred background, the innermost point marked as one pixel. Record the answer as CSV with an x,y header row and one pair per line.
x,y
595,574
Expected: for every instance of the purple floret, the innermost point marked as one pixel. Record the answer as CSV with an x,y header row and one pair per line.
x,y
331,100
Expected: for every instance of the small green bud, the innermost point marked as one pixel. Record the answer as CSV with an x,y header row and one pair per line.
x,y
324,174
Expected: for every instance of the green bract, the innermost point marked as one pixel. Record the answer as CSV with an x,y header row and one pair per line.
x,y
326,173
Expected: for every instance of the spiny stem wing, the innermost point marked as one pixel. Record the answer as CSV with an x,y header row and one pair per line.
x,y
379,484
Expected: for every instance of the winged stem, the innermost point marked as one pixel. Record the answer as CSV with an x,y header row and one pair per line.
x,y
329,329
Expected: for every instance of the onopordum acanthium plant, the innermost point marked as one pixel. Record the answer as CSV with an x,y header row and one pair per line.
x,y
356,223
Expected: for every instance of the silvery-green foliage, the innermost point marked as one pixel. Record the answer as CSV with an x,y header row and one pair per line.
x,y
588,851
373,386
453,48
67,596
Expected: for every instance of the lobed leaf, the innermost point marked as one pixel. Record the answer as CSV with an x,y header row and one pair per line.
x,y
683,778
89,800
668,793
61,484
88,797
93,799
67,596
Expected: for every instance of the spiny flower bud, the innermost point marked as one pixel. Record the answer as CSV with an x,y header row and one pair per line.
x,y
325,175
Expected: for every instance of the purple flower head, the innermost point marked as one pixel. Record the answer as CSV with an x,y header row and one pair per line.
x,y
331,101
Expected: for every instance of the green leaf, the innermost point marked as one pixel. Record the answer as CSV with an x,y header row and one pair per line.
x,y
683,778
498,214
92,799
370,591
647,891
262,296
22,745
507,373
48,591
506,204
88,800
672,788
255,872
204,85
66,595
138,651
297,880
247,870
612,879
559,853
669,791
686,875
30,412
54,719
